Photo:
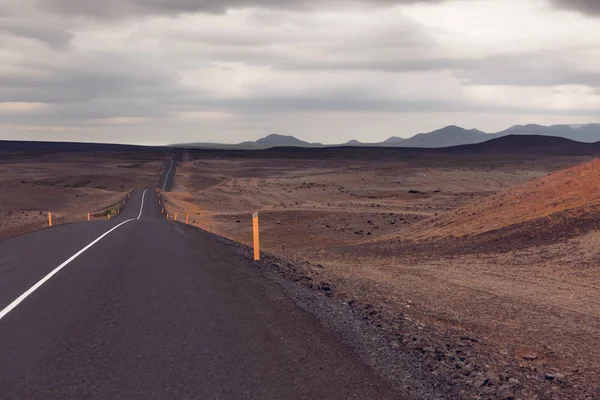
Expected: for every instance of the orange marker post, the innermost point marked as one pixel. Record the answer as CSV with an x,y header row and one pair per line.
x,y
187,218
175,219
108,216
255,234
89,217
49,219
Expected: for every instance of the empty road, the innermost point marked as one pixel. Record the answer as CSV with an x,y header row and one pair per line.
x,y
153,309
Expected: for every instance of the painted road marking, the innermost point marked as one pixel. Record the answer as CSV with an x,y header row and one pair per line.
x,y
167,176
142,207
22,297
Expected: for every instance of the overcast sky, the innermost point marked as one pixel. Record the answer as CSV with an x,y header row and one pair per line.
x,y
160,71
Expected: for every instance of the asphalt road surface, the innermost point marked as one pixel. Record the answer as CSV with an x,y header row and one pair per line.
x,y
153,309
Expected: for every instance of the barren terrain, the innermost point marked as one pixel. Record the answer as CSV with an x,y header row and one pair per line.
x,y
69,185
486,265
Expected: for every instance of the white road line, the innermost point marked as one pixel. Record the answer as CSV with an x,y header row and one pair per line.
x,y
142,207
167,176
22,297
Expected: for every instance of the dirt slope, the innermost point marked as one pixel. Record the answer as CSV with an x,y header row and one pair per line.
x,y
574,188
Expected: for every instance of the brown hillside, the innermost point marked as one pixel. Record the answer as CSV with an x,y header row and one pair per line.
x,y
574,188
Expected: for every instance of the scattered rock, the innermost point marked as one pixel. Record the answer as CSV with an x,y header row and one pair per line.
x,y
304,278
506,392
559,378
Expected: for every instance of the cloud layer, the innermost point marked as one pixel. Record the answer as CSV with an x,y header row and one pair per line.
x,y
588,7
158,72
118,9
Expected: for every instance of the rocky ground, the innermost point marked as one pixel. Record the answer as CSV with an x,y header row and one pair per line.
x,y
69,185
507,312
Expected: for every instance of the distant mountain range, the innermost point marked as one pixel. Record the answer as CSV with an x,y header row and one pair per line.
x,y
521,145
445,137
279,141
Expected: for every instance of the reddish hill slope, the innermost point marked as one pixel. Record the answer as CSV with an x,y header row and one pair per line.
x,y
574,189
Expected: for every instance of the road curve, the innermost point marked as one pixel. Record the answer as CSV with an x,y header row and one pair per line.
x,y
166,181
159,310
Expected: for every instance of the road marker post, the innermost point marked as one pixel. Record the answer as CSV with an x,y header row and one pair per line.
x,y
49,218
255,235
89,217
167,216
108,216
175,219
187,218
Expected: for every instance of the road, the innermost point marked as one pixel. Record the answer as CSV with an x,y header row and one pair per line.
x,y
158,310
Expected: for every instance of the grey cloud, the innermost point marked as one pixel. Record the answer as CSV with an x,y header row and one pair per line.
x,y
335,103
83,80
587,7
523,77
533,69
340,103
393,65
49,35
109,9
81,89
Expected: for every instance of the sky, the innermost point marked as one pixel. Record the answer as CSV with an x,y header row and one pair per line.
x,y
180,71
